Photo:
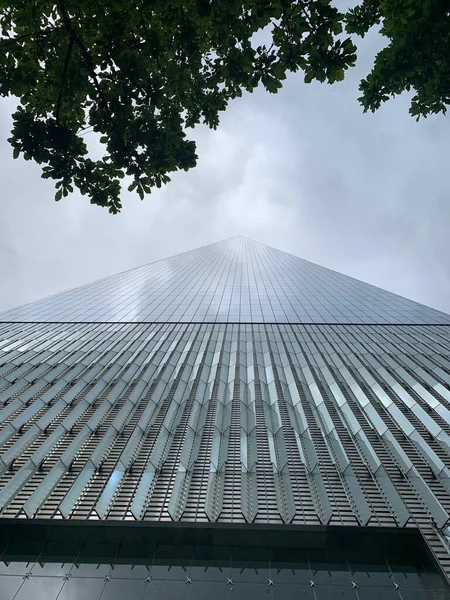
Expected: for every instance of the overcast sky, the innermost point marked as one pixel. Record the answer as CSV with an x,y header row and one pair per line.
x,y
305,171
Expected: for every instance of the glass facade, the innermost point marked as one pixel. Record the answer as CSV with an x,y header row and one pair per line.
x,y
236,280
303,424
236,387
379,570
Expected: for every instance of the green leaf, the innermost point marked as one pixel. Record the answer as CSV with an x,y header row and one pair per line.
x,y
271,84
279,71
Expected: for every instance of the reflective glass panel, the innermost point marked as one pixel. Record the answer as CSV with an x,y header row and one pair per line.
x,y
235,280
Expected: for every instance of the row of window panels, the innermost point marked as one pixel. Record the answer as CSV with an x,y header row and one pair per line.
x,y
434,392
253,289
89,500
13,371
19,340
55,588
197,501
394,299
333,564
17,408
351,579
404,304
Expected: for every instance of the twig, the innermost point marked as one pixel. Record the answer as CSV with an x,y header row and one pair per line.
x,y
63,77
36,34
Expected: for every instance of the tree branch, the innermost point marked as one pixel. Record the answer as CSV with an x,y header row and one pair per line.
x,y
144,23
63,77
303,6
36,34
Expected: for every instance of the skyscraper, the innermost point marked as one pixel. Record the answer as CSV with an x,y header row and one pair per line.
x,y
233,421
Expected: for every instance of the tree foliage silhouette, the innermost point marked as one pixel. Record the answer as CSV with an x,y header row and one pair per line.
x,y
141,73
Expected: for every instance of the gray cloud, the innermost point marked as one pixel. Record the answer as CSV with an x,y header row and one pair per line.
x,y
304,171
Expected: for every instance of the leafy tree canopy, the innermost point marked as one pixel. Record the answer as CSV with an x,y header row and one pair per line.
x,y
417,56
140,73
